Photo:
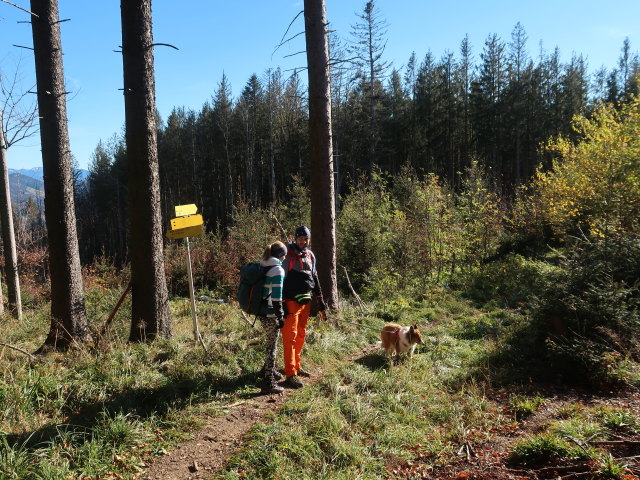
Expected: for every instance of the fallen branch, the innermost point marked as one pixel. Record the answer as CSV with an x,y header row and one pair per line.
x,y
18,349
284,233
353,292
231,405
107,324
579,468
202,343
615,442
635,457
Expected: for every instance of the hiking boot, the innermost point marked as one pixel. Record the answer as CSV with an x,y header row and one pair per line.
x,y
293,381
270,386
303,373
277,376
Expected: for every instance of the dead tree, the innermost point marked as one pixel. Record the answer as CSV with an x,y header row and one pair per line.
x,y
150,315
68,315
8,236
17,124
323,213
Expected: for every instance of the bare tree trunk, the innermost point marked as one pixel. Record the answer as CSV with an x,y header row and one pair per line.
x,y
1,299
8,236
150,315
68,314
323,213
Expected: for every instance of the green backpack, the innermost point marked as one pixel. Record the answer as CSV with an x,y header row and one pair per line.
x,y
249,296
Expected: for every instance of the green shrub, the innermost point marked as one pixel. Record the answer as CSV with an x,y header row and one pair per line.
x,y
15,461
618,419
606,466
595,307
539,449
512,281
523,406
364,236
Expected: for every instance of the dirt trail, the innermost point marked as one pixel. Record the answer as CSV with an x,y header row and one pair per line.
x,y
212,445
220,437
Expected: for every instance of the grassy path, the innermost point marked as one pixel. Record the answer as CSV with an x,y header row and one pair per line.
x,y
169,410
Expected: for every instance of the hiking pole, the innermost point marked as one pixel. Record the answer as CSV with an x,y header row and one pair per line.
x,y
247,320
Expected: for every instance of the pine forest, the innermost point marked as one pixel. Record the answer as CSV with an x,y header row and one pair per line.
x,y
473,293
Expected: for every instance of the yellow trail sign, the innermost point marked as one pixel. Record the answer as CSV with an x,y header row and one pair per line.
x,y
185,222
184,210
186,232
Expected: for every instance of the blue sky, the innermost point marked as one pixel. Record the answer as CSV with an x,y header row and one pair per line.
x,y
239,38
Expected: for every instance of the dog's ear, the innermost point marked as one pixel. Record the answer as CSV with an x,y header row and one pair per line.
x,y
415,327
411,329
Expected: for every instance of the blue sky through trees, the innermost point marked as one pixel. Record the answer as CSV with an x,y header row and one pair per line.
x,y
239,38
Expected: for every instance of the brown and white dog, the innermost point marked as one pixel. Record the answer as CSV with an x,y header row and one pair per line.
x,y
397,339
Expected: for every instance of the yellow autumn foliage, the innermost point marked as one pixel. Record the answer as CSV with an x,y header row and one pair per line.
x,y
594,184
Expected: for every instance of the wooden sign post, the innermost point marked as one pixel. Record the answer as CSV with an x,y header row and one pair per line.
x,y
188,224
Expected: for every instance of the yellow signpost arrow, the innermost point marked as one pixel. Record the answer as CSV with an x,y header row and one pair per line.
x,y
184,210
188,224
185,222
186,232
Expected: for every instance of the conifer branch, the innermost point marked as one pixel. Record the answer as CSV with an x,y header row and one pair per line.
x,y
164,45
20,8
293,54
287,40
287,30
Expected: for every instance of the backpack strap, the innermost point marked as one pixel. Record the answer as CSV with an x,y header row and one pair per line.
x,y
292,259
313,260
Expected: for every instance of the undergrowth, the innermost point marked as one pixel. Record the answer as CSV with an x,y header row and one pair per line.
x,y
108,412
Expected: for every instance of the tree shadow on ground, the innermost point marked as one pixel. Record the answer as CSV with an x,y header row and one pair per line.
x,y
141,402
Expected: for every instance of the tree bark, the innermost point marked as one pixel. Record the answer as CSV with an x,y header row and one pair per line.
x,y
8,236
150,315
323,212
68,315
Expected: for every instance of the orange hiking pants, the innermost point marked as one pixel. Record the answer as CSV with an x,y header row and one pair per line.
x,y
293,335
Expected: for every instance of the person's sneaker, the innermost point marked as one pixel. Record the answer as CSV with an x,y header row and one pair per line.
x,y
293,381
303,373
269,388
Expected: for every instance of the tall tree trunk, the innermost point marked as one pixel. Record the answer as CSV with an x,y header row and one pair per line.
x,y
8,236
323,213
68,314
150,315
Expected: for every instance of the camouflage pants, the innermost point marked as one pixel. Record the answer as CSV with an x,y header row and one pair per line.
x,y
271,333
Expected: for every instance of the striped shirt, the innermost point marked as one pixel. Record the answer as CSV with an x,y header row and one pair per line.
x,y
272,289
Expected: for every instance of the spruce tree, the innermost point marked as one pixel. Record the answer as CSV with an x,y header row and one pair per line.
x,y
69,325
150,315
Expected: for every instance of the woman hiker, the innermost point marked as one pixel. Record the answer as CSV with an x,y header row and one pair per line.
x,y
301,281
272,322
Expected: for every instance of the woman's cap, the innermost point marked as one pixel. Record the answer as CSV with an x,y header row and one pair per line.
x,y
303,231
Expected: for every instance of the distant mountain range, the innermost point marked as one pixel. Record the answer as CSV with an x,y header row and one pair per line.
x,y
28,183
